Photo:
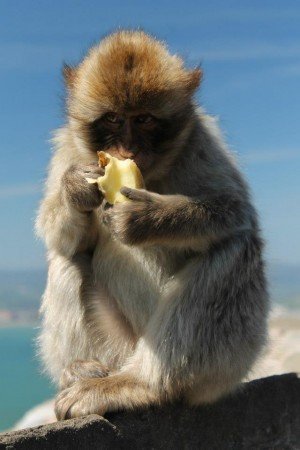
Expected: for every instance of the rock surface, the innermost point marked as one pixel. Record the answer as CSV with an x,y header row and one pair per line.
x,y
263,415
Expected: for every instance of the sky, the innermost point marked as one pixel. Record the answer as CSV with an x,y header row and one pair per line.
x,y
249,52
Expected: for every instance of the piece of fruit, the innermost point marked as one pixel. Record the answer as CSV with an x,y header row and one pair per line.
x,y
118,173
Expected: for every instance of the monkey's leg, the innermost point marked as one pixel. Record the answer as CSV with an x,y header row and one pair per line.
x,y
203,337
65,335
79,370
211,326
81,322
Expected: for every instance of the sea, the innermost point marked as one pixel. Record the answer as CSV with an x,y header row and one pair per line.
x,y
22,384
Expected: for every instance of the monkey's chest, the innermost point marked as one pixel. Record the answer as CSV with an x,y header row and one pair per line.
x,y
118,266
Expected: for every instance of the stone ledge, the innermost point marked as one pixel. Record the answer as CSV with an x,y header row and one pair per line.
x,y
263,415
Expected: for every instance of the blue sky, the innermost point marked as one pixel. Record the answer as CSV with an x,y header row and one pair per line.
x,y
250,54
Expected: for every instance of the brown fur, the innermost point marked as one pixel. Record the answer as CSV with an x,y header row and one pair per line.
x,y
82,369
105,79
96,394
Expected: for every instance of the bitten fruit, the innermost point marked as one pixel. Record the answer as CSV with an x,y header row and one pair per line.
x,y
118,173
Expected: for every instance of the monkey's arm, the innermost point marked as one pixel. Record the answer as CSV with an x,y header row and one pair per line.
x,y
177,220
65,229
67,220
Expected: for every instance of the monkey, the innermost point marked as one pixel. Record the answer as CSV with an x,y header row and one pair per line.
x,y
163,297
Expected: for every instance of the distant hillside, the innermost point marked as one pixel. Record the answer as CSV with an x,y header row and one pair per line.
x,y
23,289
284,280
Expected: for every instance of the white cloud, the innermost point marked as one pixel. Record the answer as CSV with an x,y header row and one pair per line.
x,y
246,51
270,156
289,70
19,190
33,57
259,14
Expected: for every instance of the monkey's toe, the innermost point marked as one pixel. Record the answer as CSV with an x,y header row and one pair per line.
x,y
79,370
79,400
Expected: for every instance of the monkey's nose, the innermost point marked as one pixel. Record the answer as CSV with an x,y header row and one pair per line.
x,y
125,153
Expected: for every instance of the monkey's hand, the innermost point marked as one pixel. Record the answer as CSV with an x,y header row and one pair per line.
x,y
132,222
78,192
175,220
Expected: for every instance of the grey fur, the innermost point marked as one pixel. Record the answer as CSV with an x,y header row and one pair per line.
x,y
171,292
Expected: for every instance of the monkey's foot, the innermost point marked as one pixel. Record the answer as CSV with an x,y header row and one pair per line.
x,y
79,370
99,395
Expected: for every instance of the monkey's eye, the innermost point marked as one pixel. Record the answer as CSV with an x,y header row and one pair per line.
x,y
144,119
112,118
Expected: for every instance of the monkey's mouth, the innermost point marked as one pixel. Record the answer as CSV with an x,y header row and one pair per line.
x,y
143,159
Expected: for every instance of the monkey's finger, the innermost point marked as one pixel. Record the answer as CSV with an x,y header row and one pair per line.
x,y
63,404
93,169
138,195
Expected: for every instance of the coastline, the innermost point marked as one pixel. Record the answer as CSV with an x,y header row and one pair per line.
x,y
33,325
282,352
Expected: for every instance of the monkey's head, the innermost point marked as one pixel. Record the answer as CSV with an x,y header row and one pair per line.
x,y
130,97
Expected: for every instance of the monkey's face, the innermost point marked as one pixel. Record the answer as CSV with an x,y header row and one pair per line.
x,y
132,99
134,135
139,135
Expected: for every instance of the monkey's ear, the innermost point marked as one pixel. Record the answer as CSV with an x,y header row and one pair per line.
x,y
69,74
194,78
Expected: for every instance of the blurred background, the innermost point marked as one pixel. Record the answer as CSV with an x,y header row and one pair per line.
x,y
250,55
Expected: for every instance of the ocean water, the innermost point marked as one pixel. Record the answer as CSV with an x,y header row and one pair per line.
x,y
22,385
